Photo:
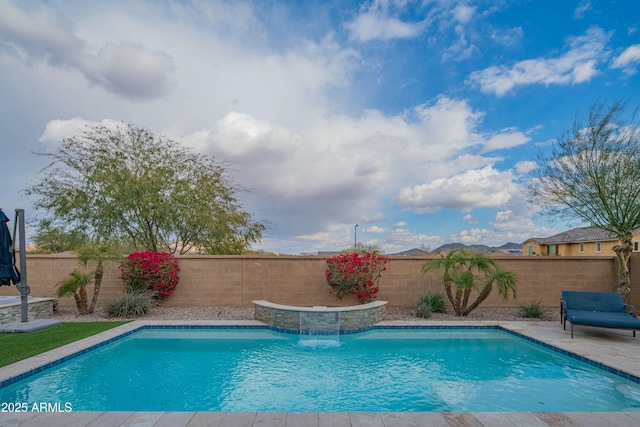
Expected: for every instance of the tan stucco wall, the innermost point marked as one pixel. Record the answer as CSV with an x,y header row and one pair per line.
x,y
590,249
239,280
571,249
536,249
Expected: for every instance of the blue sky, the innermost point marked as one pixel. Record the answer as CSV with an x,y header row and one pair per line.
x,y
417,120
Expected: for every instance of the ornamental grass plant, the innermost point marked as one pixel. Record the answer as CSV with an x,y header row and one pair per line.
x,y
130,304
432,302
532,310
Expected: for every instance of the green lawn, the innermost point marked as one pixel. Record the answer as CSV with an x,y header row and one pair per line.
x,y
18,346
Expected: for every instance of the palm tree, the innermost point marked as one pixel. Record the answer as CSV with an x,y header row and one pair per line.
x,y
450,261
88,255
504,280
98,254
76,285
463,269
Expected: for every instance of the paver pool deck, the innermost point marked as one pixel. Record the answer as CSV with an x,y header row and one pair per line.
x,y
617,349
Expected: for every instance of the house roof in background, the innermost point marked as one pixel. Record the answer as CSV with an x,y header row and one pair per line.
x,y
576,235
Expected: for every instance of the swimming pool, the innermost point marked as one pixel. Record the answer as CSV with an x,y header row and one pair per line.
x,y
258,369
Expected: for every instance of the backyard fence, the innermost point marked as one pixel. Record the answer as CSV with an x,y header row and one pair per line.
x,y
236,281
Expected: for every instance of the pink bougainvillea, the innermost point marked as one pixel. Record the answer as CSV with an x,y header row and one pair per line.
x,y
356,274
157,271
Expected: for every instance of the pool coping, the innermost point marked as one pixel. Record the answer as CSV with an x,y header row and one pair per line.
x,y
321,308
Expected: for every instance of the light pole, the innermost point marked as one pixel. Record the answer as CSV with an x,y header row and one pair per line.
x,y
355,238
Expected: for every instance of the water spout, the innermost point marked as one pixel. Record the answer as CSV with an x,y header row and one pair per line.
x,y
319,329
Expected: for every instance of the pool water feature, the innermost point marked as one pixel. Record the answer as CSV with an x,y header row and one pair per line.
x,y
258,369
320,328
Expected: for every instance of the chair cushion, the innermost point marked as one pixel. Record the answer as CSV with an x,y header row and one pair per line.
x,y
610,302
607,320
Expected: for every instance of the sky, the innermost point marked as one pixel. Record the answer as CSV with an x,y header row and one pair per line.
x,y
419,121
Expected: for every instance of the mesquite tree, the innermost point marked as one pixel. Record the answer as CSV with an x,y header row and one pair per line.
x,y
124,183
592,174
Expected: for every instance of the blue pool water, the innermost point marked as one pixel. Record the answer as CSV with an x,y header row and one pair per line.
x,y
379,370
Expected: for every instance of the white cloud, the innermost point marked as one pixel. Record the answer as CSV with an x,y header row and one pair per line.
x,y
401,239
508,37
517,227
505,140
126,69
525,166
480,188
374,229
470,219
129,69
371,26
506,220
57,130
461,48
630,56
577,65
463,13
461,17
376,22
334,169
400,224
508,226
582,8
338,169
471,237
243,138
39,34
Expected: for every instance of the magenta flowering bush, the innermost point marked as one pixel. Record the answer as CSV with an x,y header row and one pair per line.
x,y
356,274
157,271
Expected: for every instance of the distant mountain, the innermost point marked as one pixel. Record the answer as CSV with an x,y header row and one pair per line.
x,y
413,252
511,246
506,249
451,246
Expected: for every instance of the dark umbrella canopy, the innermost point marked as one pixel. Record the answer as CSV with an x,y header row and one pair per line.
x,y
8,271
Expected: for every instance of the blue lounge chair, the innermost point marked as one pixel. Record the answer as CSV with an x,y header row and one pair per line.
x,y
601,309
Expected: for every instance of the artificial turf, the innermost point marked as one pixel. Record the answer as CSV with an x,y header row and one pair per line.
x,y
18,346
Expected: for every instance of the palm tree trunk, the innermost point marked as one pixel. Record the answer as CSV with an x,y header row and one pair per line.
x,y
83,301
465,301
78,302
456,303
486,291
447,288
97,281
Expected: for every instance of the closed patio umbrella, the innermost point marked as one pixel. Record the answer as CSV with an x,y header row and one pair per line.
x,y
8,271
10,274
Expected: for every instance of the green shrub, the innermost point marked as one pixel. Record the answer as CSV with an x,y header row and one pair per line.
x,y
436,300
424,310
432,302
131,304
533,310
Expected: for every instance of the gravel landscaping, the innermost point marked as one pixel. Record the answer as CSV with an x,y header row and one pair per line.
x,y
67,314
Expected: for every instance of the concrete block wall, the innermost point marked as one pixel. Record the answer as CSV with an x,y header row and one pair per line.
x,y
237,281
